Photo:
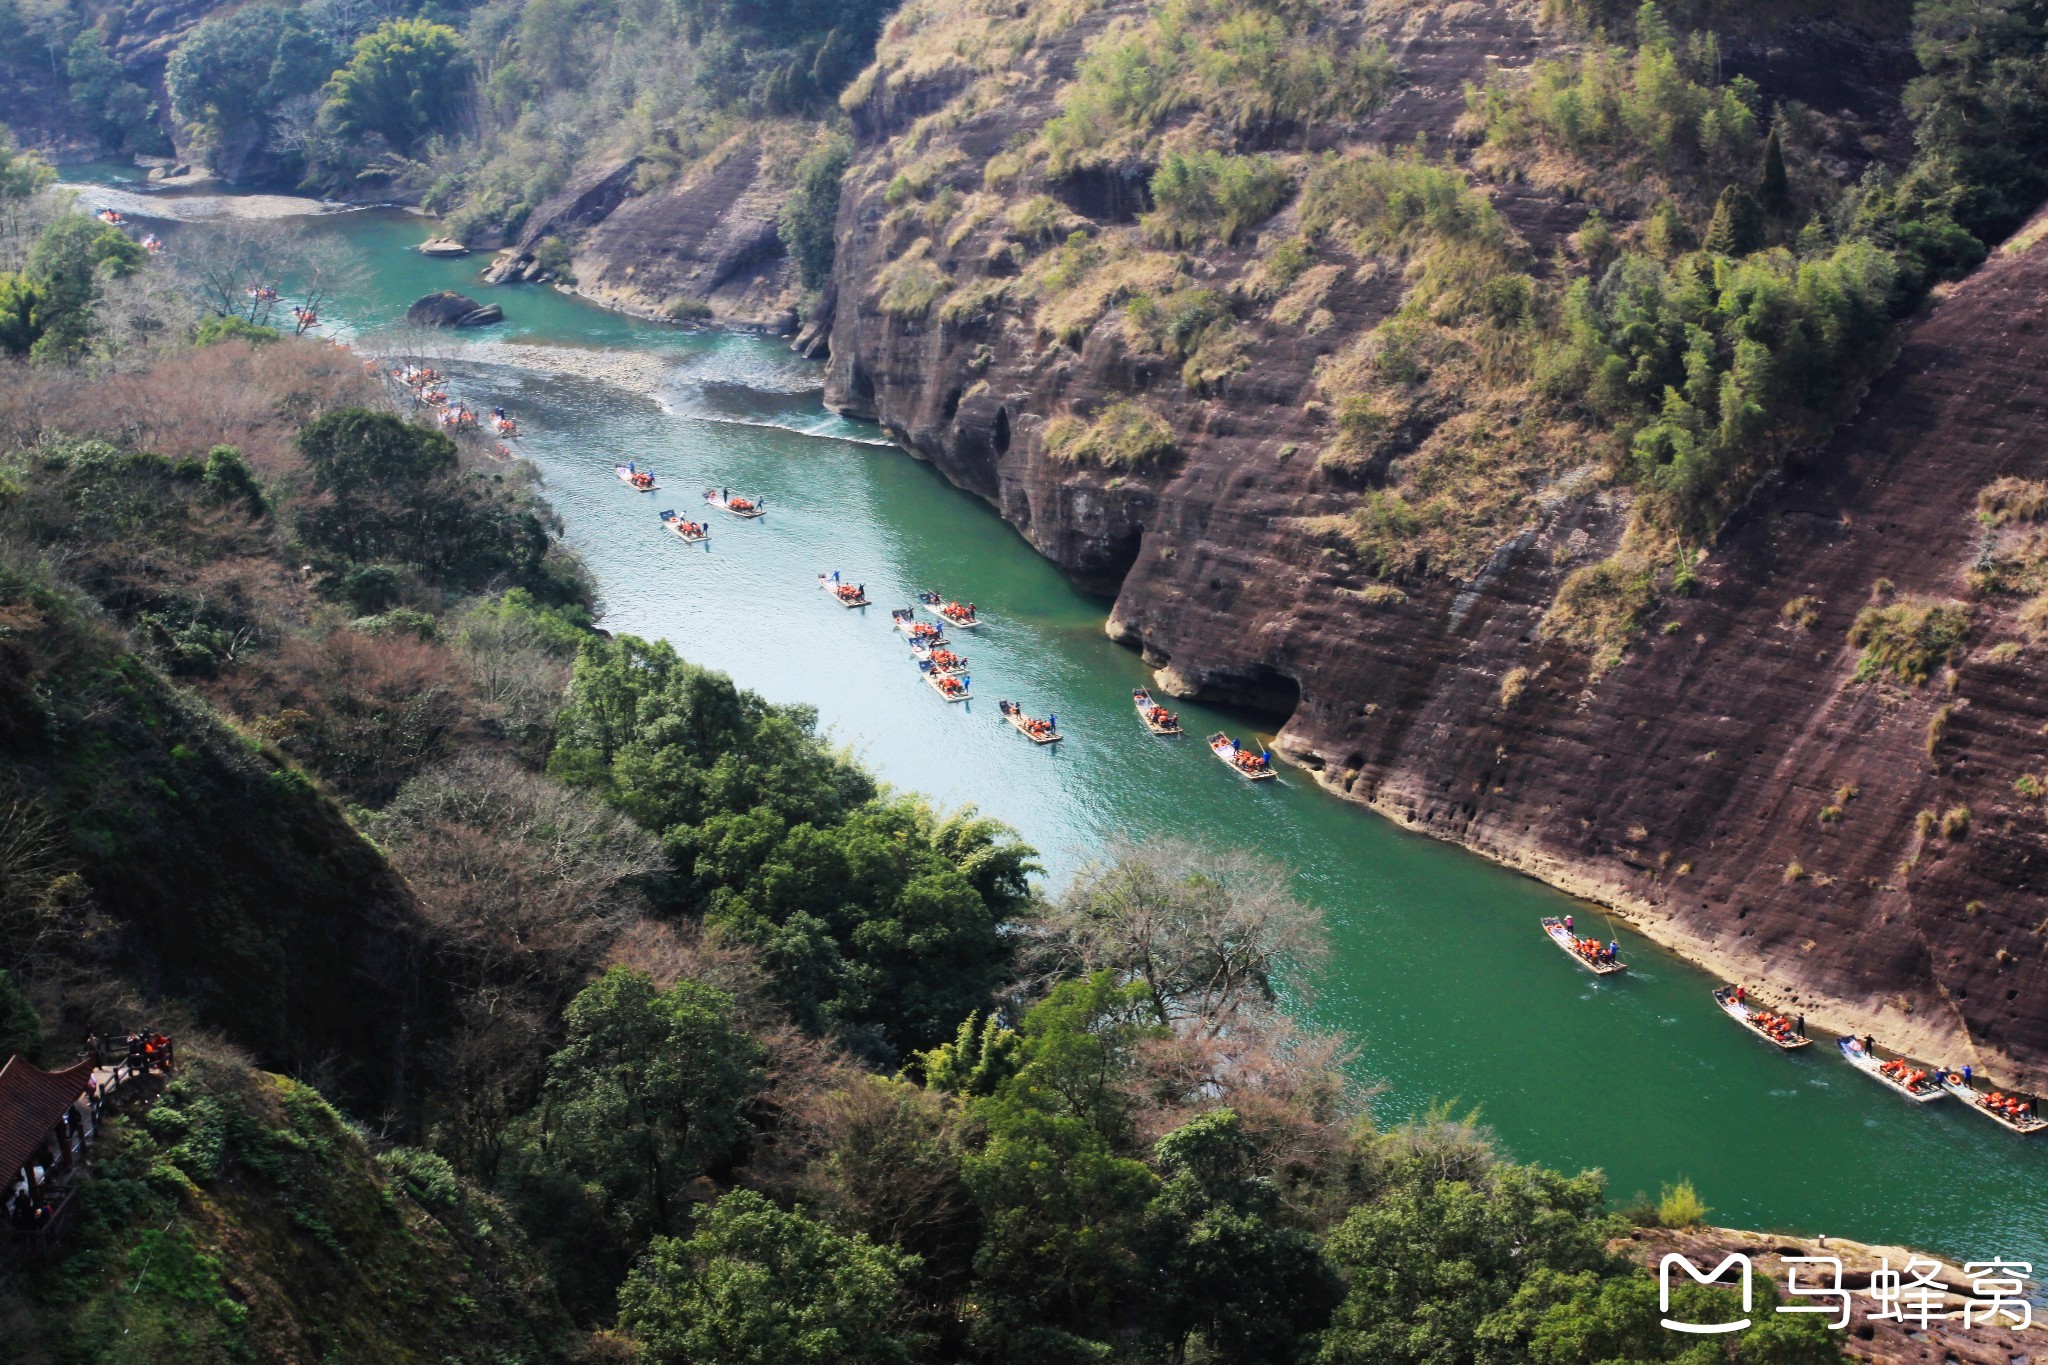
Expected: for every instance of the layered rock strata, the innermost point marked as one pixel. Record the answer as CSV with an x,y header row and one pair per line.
x,y
1686,786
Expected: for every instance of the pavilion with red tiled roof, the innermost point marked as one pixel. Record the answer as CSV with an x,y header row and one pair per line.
x,y
45,1117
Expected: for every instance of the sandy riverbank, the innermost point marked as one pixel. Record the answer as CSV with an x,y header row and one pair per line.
x,y
200,208
641,372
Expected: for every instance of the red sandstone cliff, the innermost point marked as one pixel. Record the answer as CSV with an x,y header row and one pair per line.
x,y
1682,786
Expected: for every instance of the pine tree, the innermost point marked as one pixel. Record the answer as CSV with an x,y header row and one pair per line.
x,y
1773,190
1737,228
1666,234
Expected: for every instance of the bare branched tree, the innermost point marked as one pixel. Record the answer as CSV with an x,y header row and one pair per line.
x,y
291,124
22,220
1208,933
527,884
515,672
246,268
322,266
31,860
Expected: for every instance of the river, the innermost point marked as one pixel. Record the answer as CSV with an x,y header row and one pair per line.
x,y
1439,974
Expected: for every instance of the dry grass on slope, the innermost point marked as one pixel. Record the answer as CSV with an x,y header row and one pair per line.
x,y
254,397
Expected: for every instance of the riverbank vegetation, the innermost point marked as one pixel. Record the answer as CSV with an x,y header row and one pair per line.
x,y
667,1032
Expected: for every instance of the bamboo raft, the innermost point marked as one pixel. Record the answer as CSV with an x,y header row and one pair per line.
x,y
906,621
926,652
1568,943
1014,714
964,622
832,586
675,526
1927,1092
1142,701
626,473
933,681
751,510
1953,1082
1225,748
1741,1013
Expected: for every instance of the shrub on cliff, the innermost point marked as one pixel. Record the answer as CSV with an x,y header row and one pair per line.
x,y
1644,107
1603,606
1124,435
808,216
1248,64
1426,212
1715,366
1980,108
1909,639
2011,499
1209,194
912,283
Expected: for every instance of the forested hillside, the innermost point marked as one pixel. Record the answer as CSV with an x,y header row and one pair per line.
x,y
1604,435
658,1029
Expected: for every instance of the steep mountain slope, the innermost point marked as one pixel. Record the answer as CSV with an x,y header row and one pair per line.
x,y
147,839
236,1216
1147,405
704,245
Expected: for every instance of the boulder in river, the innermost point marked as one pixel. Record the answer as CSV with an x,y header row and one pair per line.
x,y
179,173
450,309
442,246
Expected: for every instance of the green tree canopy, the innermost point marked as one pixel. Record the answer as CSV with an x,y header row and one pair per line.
x,y
396,495
21,1028
235,73
880,918
1714,363
1062,1208
1737,227
21,173
1433,1264
1233,1273
1773,188
21,324
646,1094
404,81
102,89
1587,1319
65,267
354,449
761,1286
1980,110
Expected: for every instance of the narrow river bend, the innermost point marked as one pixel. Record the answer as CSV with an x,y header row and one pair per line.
x,y
1440,974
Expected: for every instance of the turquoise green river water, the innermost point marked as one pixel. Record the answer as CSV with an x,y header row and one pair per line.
x,y
1440,974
